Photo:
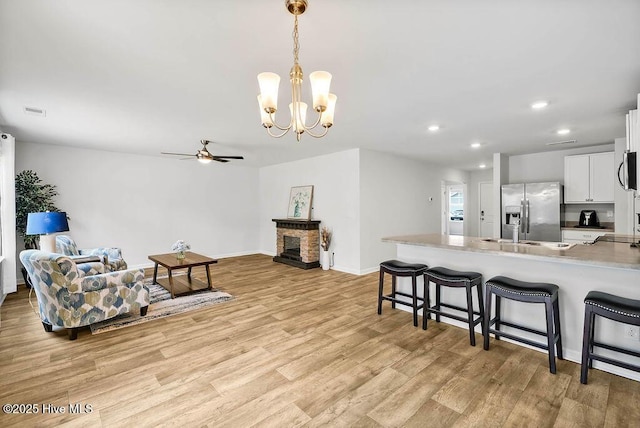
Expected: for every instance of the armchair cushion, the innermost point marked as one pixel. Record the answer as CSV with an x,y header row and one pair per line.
x,y
111,257
70,299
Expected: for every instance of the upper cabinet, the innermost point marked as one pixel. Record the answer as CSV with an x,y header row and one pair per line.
x,y
589,178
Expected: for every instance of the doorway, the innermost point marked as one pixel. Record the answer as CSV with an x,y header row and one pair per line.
x,y
454,209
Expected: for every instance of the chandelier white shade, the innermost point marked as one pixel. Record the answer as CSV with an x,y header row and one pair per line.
x,y
324,103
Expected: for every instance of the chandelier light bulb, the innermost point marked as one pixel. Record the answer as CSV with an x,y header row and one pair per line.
x,y
327,115
269,83
265,117
320,82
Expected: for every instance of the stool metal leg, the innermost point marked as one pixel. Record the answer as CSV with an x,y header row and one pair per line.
x,y
393,291
414,289
487,318
425,302
480,301
592,323
497,317
550,334
556,319
437,301
587,338
472,334
380,284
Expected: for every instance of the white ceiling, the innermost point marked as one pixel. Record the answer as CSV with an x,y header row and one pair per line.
x,y
147,76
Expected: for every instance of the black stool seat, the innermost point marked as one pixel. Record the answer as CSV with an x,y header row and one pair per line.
x,y
453,275
612,303
515,286
396,268
615,308
442,276
530,292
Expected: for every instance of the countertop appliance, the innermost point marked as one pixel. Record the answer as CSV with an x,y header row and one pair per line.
x,y
588,218
534,208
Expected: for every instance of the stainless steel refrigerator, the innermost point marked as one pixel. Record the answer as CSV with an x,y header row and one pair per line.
x,y
534,208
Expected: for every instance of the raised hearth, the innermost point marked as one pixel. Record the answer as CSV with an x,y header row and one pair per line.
x,y
298,243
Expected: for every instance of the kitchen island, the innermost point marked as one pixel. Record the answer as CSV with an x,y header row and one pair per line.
x,y
611,267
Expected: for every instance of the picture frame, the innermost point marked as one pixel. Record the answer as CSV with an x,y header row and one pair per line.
x,y
300,200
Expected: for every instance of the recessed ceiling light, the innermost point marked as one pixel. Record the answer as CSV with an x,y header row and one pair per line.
x,y
482,165
563,131
434,128
475,145
539,105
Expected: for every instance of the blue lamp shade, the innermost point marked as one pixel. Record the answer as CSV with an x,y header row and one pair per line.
x,y
45,223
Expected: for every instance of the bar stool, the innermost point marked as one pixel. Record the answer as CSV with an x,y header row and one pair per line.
x,y
615,308
397,268
530,292
442,276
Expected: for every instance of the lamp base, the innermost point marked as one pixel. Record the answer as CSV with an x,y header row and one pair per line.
x,y
48,243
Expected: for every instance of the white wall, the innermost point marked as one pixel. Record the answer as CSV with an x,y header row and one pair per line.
x,y
143,204
335,202
546,166
394,200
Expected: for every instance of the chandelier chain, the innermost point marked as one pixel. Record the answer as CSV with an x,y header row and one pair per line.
x,y
296,43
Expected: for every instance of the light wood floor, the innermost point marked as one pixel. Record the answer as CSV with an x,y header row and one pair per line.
x,y
296,348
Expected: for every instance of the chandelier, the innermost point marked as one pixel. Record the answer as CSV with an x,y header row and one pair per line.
x,y
324,103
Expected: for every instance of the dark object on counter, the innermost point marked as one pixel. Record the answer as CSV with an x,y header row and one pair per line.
x,y
588,218
625,239
530,292
397,268
442,276
615,308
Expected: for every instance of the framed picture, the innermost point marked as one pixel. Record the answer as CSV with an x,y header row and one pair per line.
x,y
300,200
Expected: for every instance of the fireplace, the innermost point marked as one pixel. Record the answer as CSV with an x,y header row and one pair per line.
x,y
291,248
298,243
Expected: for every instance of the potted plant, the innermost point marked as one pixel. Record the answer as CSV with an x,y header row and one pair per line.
x,y
325,241
32,196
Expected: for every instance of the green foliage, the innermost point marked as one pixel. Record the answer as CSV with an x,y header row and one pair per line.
x,y
32,197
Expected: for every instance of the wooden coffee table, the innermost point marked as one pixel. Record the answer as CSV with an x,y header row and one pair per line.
x,y
180,285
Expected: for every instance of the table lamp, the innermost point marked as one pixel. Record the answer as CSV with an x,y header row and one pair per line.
x,y
46,224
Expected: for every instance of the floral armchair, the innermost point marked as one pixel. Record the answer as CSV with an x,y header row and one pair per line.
x,y
110,257
68,298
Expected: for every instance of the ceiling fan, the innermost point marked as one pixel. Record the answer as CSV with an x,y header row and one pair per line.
x,y
203,155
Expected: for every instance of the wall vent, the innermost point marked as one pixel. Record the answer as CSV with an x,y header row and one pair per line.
x,y
35,111
557,143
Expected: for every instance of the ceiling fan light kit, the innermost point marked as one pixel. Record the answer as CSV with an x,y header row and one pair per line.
x,y
324,103
203,155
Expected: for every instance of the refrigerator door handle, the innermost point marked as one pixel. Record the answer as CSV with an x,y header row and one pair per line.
x,y
522,216
527,215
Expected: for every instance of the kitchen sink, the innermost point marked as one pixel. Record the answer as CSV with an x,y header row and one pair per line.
x,y
498,241
550,245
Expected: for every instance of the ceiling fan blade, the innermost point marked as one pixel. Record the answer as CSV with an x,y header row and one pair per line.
x,y
176,154
189,158
219,160
227,157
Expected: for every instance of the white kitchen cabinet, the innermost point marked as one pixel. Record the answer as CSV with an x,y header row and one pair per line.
x,y
589,178
581,236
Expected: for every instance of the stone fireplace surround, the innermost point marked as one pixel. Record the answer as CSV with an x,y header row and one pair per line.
x,y
308,231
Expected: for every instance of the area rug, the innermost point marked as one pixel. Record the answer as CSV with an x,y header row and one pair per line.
x,y
162,305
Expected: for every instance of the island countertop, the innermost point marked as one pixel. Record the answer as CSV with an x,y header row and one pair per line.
x,y
612,267
608,254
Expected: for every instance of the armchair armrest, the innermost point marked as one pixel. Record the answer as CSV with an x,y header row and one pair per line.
x,y
111,279
112,257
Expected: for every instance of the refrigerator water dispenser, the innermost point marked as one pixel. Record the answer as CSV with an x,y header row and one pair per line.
x,y
512,214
